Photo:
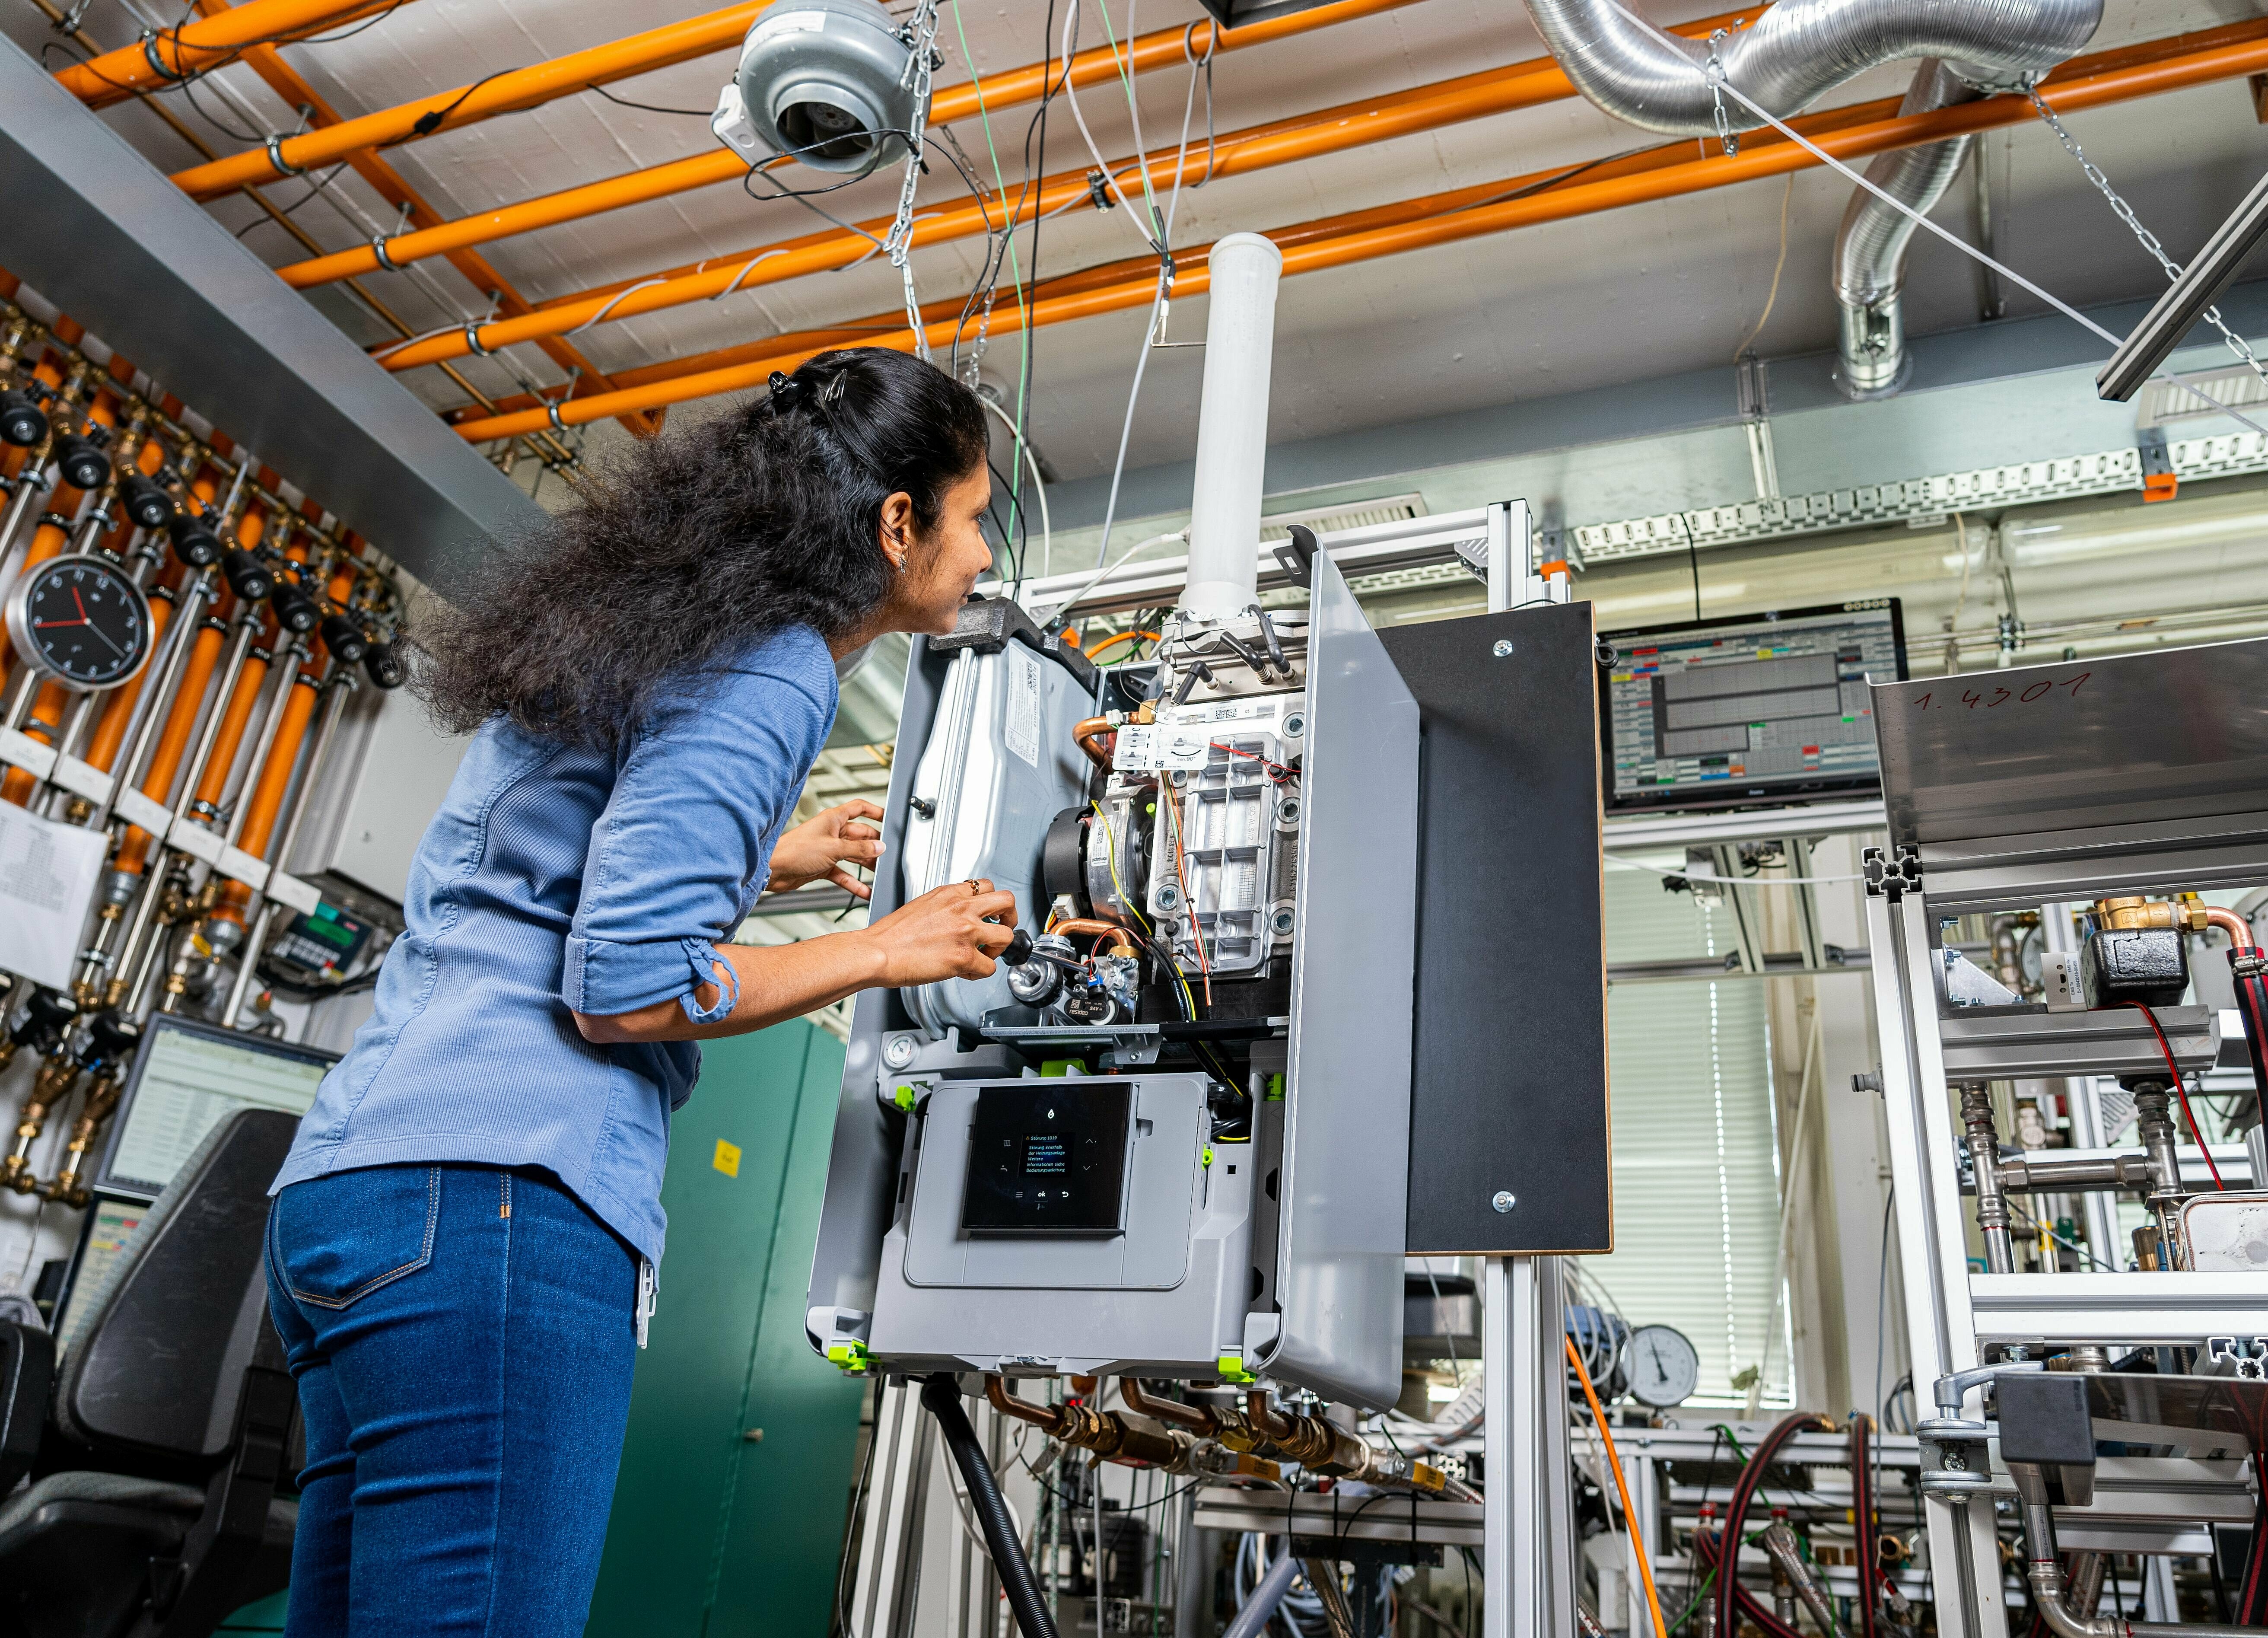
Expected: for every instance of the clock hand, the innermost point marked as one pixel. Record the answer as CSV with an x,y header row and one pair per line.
x,y
104,636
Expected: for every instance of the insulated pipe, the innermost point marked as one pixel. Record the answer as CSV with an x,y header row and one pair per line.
x,y
172,54
1673,170
1870,247
1252,1619
1797,52
1017,1584
1232,429
340,689
1328,130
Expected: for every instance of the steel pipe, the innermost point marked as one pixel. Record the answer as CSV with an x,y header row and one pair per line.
x,y
2175,64
1797,52
1528,84
174,55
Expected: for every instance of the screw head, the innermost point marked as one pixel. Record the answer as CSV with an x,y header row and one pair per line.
x,y
898,1051
1295,725
1288,810
1503,1200
1281,923
1169,897
1502,650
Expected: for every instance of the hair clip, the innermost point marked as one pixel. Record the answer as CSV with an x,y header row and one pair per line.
x,y
832,393
786,391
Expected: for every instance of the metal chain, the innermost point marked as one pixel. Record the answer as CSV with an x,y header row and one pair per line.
x,y
2147,240
921,36
1715,72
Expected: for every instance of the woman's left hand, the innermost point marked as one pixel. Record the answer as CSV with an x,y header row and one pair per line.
x,y
817,849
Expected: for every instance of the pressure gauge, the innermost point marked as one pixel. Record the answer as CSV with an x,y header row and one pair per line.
x,y
80,621
1664,1367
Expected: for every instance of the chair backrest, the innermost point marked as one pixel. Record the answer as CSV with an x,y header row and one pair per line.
x,y
159,1364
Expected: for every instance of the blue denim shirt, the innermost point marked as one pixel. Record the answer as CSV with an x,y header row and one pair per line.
x,y
555,881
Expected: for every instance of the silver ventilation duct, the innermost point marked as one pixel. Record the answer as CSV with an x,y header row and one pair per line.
x,y
1870,247
1798,51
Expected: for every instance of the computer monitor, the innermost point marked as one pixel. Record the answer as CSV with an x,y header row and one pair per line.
x,y
109,1225
1750,712
186,1077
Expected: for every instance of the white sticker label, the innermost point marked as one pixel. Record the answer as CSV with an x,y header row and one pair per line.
x,y
26,753
81,778
1137,748
48,877
190,838
1021,728
288,890
239,866
137,808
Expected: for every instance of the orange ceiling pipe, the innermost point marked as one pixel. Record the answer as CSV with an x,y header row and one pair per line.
x,y
1281,142
1661,172
287,84
1007,90
175,54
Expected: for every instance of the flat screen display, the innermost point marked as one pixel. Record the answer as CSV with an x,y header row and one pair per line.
x,y
1749,711
187,1078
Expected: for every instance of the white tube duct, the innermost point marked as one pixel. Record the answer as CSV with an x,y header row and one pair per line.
x,y
1232,429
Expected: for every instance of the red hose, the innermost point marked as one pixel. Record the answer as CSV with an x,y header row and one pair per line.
x,y
2181,1090
1730,1594
1862,1515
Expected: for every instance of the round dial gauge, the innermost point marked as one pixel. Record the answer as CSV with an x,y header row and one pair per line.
x,y
1664,1367
81,621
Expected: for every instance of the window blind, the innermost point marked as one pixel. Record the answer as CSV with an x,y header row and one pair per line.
x,y
1696,1156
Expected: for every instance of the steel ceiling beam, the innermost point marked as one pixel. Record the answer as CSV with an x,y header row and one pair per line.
x,y
90,225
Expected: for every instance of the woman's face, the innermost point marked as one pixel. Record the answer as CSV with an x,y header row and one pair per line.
x,y
937,568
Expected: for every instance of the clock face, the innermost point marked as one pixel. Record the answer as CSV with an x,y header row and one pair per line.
x,y
1664,1367
82,622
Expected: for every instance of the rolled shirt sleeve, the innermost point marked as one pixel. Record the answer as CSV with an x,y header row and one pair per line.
x,y
685,843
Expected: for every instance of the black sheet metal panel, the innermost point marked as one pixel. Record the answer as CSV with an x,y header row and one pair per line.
x,y
92,225
1510,1090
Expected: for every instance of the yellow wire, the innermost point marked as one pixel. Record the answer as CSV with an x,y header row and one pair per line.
x,y
1110,855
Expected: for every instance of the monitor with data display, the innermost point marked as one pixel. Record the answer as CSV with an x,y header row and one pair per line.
x,y
186,1077
103,1237
1754,711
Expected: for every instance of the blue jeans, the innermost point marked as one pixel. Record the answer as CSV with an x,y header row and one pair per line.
x,y
462,1338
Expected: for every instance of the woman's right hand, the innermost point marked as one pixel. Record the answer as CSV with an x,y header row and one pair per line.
x,y
944,933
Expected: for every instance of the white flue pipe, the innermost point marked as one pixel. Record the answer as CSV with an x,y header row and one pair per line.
x,y
1232,429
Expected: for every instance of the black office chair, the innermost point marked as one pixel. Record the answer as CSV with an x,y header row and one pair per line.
x,y
159,1440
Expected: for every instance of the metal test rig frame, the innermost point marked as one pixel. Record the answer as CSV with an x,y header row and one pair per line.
x,y
2051,788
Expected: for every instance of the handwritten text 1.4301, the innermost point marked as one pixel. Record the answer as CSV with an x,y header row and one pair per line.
x,y
2032,695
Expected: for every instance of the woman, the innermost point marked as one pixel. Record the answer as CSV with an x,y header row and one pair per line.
x,y
462,1245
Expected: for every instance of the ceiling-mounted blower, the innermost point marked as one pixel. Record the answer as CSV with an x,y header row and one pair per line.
x,y
829,82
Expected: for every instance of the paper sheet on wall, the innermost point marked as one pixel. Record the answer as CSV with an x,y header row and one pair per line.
x,y
49,873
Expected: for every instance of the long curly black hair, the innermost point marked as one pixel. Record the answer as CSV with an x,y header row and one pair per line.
x,y
696,545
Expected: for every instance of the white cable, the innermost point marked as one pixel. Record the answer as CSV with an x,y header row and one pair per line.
x,y
1109,179
1133,397
1046,540
1099,575
1694,875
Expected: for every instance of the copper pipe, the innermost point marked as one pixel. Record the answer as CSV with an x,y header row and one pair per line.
x,y
1087,926
175,54
1669,171
996,1394
1084,733
1137,1399
1522,84
2238,930
1111,1435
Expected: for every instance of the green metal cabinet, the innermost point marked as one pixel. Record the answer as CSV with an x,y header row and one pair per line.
x,y
718,1530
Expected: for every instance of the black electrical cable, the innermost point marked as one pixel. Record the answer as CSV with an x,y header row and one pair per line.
x,y
648,108
1020,1586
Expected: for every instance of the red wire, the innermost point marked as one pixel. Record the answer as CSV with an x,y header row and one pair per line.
x,y
2180,1091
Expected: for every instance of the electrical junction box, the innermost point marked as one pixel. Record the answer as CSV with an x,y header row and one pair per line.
x,y
1257,849
392,770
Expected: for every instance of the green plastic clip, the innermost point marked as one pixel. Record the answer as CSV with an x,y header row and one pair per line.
x,y
1208,1155
903,1097
1059,1066
1275,1088
1232,1368
850,1357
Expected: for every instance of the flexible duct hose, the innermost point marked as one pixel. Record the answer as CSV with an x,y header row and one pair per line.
x,y
1253,1618
1798,51
1017,1582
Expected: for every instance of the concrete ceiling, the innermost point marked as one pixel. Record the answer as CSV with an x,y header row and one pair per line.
x,y
1602,301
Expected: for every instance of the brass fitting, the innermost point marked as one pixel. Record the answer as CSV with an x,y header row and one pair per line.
x,y
66,1187
2123,915
50,1087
